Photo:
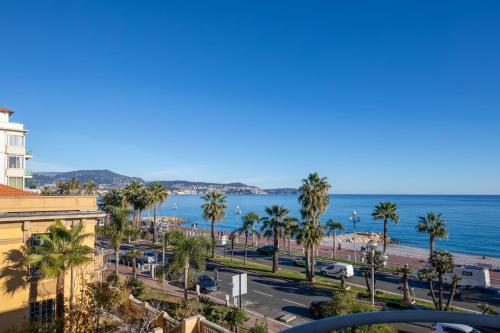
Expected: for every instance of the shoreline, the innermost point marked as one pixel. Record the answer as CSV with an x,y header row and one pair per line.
x,y
414,252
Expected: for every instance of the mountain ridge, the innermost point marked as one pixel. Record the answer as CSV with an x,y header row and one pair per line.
x,y
107,180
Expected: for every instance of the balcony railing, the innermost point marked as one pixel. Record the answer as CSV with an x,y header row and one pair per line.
x,y
388,317
28,173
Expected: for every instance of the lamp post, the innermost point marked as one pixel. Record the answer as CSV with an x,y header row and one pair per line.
x,y
354,218
237,212
174,207
372,247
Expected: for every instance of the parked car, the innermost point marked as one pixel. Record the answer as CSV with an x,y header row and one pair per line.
x,y
266,250
316,309
301,262
336,268
150,257
452,328
207,283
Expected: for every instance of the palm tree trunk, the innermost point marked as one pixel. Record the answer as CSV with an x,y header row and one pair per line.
x,y
433,294
134,268
431,246
452,295
117,258
368,286
385,234
186,280
155,228
213,238
307,262
334,254
311,273
289,245
440,292
246,248
232,248
276,254
60,303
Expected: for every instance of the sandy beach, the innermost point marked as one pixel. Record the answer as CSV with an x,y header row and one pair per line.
x,y
420,254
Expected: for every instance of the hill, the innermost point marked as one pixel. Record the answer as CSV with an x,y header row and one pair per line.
x,y
108,180
105,178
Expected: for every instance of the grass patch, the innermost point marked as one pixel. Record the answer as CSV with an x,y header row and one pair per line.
x,y
320,281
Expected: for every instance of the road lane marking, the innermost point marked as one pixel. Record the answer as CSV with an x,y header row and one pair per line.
x,y
260,292
287,300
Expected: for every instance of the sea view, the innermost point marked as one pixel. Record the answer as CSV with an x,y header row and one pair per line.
x,y
472,221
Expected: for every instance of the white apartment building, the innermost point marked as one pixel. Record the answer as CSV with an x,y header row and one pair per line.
x,y
13,153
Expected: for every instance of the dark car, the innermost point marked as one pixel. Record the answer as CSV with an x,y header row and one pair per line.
x,y
207,284
266,250
316,309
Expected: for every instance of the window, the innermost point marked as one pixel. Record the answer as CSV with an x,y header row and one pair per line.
x,y
42,311
36,240
15,162
466,273
16,182
16,140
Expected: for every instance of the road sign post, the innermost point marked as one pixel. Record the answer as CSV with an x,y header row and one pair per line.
x,y
239,286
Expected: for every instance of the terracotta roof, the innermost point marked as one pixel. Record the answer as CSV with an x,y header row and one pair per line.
x,y
7,191
6,110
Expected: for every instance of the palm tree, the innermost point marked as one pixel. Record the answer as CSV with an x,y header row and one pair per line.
x,y
187,252
314,199
214,209
62,188
272,226
290,226
59,251
74,186
134,254
442,263
159,196
386,211
248,229
111,200
117,230
132,193
405,272
90,188
331,228
46,190
232,238
250,219
310,235
435,226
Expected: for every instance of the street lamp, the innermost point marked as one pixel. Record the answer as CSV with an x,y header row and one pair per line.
x,y
237,211
372,246
354,218
174,207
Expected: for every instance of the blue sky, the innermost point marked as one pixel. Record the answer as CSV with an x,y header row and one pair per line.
x,y
380,97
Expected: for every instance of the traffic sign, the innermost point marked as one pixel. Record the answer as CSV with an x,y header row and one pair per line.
x,y
239,281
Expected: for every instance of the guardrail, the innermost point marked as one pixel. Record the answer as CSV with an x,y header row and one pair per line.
x,y
408,316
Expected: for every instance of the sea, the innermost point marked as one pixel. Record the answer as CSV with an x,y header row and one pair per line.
x,y
473,222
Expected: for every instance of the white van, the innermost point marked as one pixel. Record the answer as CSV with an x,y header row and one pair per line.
x,y
336,268
470,276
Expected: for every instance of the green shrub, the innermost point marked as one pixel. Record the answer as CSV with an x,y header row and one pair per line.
x,y
135,286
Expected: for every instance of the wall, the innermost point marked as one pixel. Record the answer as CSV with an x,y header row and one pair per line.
x,y
47,203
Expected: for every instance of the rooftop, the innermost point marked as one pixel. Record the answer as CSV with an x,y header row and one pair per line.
x,y
2,109
7,191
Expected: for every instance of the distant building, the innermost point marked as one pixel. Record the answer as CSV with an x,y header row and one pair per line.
x,y
25,295
13,154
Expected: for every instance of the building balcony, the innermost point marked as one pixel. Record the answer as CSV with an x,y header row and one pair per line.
x,y
28,154
28,173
